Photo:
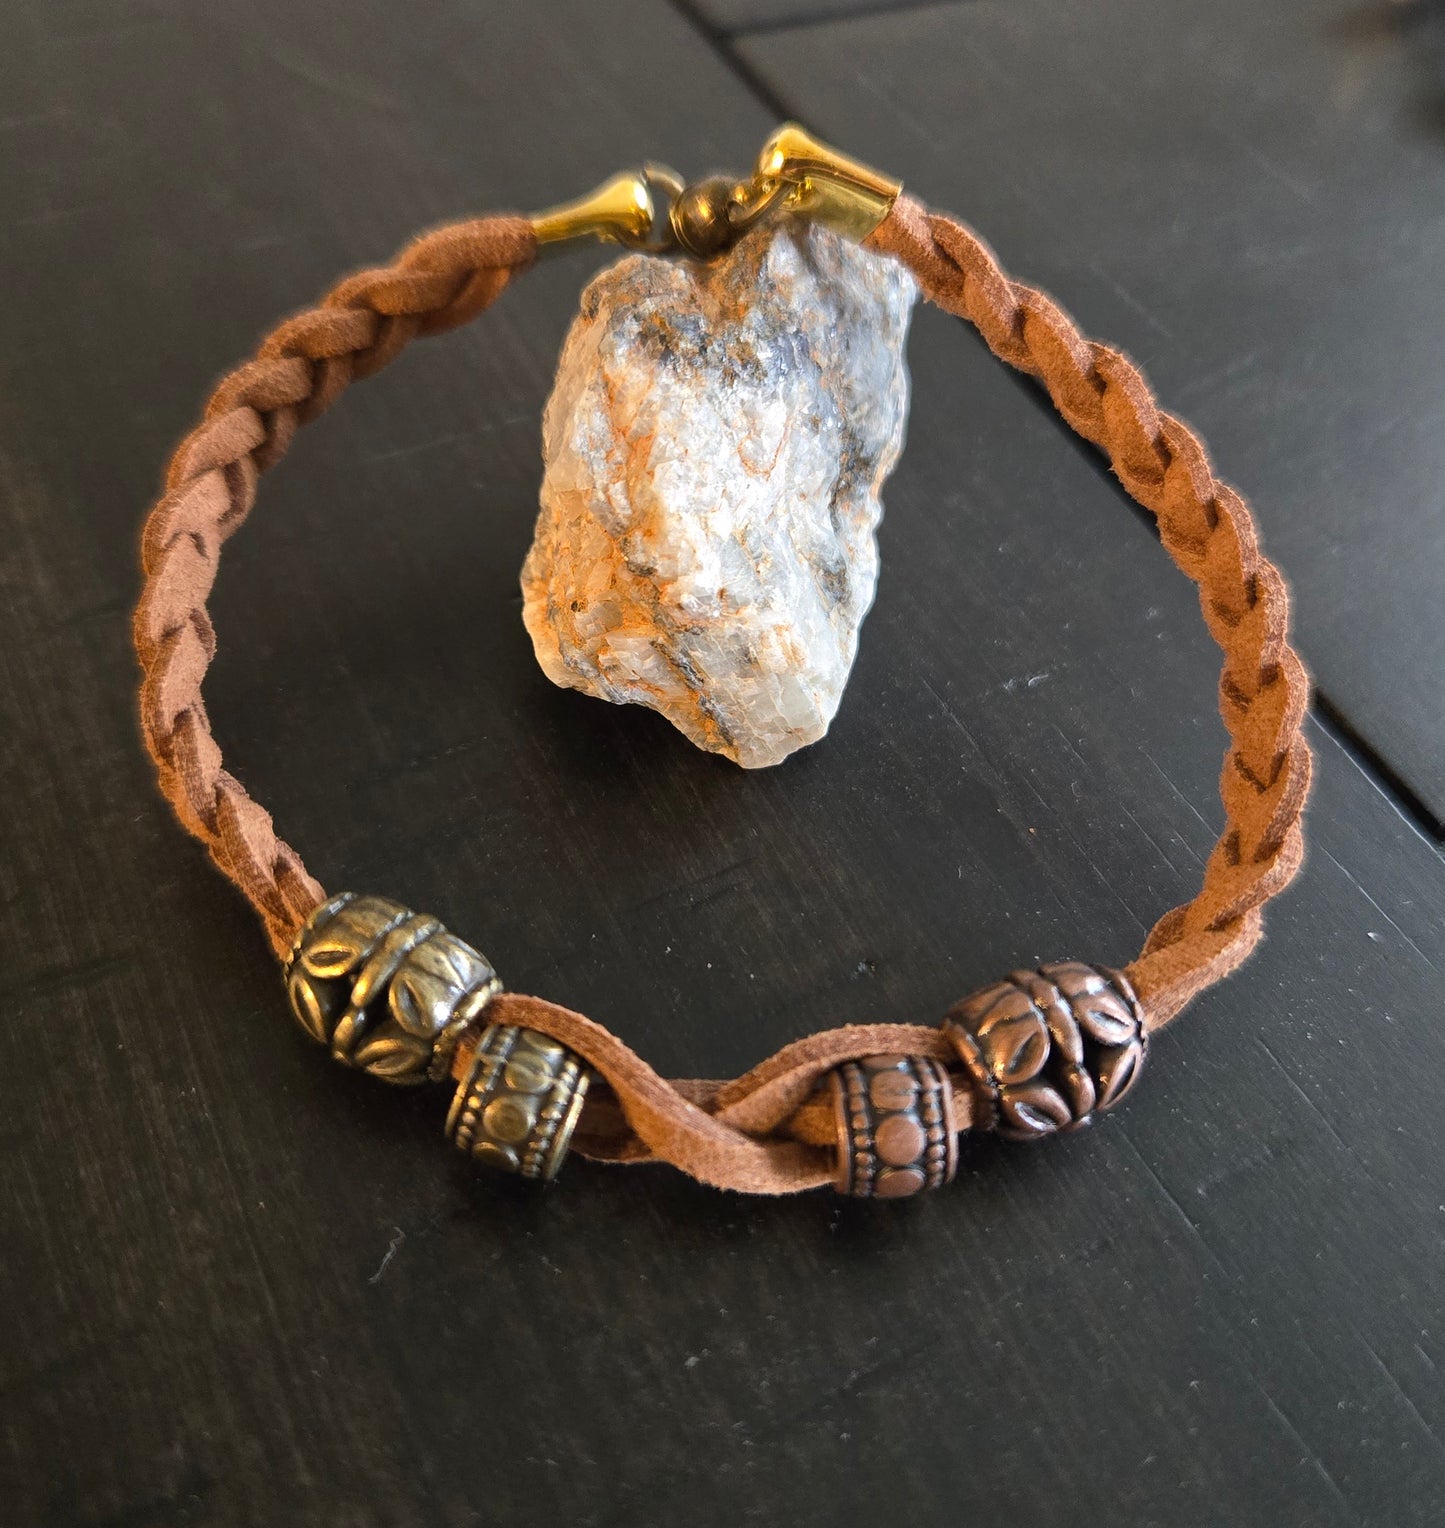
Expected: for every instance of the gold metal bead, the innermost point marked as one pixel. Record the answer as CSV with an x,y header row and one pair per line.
x,y
519,1102
389,990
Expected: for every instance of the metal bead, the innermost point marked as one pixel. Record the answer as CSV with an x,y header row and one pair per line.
x,y
699,218
519,1102
895,1127
389,990
1048,1049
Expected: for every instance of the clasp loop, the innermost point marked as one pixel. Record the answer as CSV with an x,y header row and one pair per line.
x,y
843,194
795,175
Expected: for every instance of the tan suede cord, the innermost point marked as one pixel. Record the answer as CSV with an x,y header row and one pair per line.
x,y
770,1131
1207,529
301,368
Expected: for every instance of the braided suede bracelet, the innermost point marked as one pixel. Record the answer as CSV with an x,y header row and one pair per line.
x,y
877,1109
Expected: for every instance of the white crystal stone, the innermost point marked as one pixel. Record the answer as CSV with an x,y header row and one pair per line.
x,y
715,446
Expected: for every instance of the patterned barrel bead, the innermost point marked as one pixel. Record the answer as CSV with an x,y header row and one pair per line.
x,y
389,990
518,1102
1048,1049
895,1127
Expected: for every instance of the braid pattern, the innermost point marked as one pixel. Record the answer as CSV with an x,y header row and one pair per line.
x,y
441,280
770,1131
1207,529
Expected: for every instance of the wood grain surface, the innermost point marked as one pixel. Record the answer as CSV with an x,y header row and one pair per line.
x,y
240,1286
737,16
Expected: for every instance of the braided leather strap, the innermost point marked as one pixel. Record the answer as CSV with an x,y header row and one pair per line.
x,y
1207,529
772,1130
300,369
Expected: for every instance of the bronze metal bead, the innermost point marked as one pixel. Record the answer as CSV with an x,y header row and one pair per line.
x,y
519,1102
895,1127
389,990
699,218
1048,1049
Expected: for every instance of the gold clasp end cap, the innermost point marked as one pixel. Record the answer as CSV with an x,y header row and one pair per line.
x,y
846,195
622,210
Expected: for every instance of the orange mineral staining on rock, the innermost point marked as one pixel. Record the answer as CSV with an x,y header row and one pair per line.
x,y
715,445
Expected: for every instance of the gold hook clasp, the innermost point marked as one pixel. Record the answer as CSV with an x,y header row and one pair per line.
x,y
846,195
795,175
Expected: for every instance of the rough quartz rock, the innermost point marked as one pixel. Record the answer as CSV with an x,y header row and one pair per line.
x,y
715,446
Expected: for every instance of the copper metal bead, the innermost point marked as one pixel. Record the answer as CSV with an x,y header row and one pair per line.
x,y
389,990
1046,1050
895,1127
518,1102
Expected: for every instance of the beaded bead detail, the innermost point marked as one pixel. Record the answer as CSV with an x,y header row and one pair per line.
x,y
895,1127
518,1102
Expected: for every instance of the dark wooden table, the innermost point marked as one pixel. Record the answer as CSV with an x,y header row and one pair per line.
x,y
240,1286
